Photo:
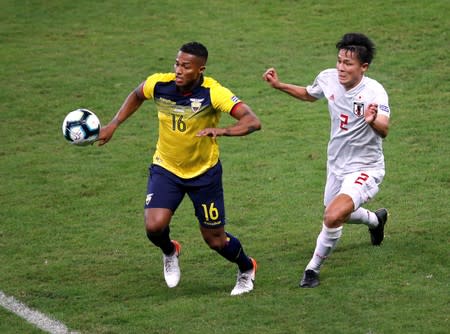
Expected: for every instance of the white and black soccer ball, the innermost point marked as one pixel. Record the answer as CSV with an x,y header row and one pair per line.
x,y
81,127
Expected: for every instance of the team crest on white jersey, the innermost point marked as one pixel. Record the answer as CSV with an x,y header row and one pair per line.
x,y
196,104
358,109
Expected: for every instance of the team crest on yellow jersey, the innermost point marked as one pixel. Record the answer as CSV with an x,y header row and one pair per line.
x,y
196,105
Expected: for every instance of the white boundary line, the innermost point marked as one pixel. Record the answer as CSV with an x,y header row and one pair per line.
x,y
34,317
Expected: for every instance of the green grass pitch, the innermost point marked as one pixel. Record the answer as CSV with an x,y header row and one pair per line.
x,y
72,241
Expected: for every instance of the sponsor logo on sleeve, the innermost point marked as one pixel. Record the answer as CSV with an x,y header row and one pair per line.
x,y
384,108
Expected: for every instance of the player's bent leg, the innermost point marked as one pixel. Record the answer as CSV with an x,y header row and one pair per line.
x,y
158,232
157,228
227,245
326,243
338,211
230,248
335,215
361,191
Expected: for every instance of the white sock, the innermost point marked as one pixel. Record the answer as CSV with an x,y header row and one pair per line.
x,y
363,216
326,242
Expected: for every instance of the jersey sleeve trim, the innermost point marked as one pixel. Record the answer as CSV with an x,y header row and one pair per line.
x,y
235,107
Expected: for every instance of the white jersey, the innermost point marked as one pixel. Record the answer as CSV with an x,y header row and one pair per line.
x,y
354,146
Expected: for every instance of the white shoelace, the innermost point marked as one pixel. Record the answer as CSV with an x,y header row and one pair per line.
x,y
243,279
170,263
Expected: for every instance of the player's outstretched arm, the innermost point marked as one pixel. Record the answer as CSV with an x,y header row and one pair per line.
x,y
129,106
299,92
247,122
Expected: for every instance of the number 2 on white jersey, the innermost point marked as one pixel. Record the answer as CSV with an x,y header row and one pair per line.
x,y
363,177
344,122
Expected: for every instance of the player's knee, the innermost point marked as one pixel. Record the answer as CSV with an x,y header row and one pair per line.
x,y
152,230
213,243
155,222
215,238
333,219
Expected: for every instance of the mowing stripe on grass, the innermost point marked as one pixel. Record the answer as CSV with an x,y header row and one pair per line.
x,y
36,318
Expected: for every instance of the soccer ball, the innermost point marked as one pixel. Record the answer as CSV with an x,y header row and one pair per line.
x,y
81,127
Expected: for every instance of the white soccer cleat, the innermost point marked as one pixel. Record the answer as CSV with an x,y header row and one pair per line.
x,y
172,271
245,280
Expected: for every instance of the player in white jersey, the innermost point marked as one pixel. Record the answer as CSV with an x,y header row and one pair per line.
x,y
359,112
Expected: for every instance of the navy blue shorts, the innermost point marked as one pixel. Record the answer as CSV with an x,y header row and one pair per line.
x,y
166,190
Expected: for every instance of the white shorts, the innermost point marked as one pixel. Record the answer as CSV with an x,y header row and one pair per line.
x,y
360,186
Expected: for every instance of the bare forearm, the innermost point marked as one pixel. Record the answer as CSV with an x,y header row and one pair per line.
x,y
244,126
247,122
381,125
298,92
130,105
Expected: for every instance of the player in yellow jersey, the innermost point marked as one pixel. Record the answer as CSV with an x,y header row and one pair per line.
x,y
186,160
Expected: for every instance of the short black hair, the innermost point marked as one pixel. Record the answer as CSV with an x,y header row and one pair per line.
x,y
358,43
196,49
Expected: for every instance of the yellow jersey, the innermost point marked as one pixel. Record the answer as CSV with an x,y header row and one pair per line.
x,y
181,117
